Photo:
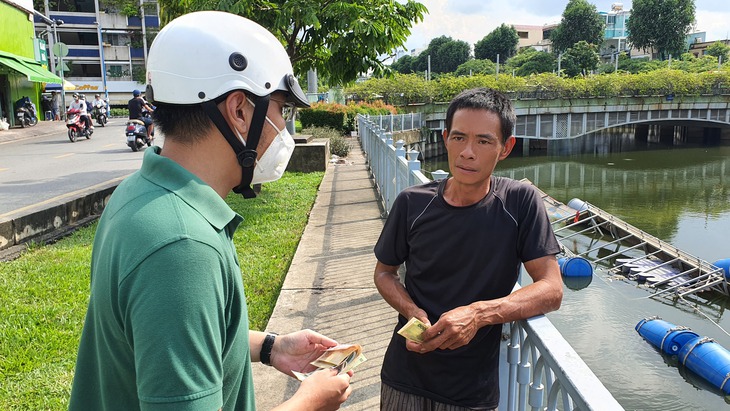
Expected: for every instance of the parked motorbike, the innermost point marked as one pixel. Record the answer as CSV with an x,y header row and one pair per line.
x,y
77,126
136,132
99,112
26,112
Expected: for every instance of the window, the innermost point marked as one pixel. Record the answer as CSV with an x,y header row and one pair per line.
x,y
79,6
523,34
79,38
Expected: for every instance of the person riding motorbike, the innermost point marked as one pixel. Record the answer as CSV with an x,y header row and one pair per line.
x,y
80,104
136,106
100,107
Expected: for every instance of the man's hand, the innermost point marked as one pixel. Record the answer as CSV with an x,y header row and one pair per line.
x,y
454,329
323,390
296,350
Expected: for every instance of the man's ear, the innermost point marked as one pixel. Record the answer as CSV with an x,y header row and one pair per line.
x,y
508,146
445,135
237,111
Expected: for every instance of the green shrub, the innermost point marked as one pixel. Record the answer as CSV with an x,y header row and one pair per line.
x,y
341,117
119,112
339,145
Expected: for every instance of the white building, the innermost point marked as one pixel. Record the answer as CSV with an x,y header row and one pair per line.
x,y
106,49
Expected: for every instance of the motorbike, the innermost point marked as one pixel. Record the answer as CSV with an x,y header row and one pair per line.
x,y
77,126
99,112
26,112
136,132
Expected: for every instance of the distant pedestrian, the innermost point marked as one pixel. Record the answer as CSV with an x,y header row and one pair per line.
x,y
55,106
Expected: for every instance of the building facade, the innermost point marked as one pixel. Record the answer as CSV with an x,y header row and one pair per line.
x,y
107,44
22,58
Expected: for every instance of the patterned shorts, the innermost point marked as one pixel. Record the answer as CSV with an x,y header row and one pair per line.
x,y
394,400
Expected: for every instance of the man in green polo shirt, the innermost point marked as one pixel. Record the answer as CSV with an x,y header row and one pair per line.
x,y
167,323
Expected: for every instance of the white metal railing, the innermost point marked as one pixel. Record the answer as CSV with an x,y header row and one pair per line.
x,y
544,370
399,122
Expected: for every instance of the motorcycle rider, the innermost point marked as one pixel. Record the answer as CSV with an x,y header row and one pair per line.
x,y
80,104
136,107
101,105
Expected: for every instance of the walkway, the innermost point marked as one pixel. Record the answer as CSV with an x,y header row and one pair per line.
x,y
329,286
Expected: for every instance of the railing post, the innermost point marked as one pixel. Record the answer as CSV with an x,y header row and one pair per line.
x,y
413,165
439,175
399,150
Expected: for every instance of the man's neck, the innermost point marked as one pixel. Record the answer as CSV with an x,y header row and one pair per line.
x,y
462,195
211,159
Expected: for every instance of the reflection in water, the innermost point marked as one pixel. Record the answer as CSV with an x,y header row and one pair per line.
x,y
679,194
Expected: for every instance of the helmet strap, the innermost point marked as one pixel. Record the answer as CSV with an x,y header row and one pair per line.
x,y
246,154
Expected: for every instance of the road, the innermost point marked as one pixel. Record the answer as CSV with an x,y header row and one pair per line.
x,y
42,169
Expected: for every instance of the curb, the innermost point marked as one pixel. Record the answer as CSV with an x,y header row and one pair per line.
x,y
50,221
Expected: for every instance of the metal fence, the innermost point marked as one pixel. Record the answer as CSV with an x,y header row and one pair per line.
x,y
399,122
544,370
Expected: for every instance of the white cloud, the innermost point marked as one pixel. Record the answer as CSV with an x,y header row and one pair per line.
x,y
471,20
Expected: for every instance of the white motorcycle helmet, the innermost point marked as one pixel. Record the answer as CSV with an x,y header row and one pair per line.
x,y
199,57
203,55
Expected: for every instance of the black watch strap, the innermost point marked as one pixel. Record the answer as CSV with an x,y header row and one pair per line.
x,y
266,347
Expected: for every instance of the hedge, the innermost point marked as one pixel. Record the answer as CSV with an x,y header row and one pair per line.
x,y
339,116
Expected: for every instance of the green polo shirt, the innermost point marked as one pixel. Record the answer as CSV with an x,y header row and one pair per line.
x,y
167,323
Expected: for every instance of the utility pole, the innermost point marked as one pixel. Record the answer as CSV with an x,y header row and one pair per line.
x,y
144,33
101,50
428,71
496,75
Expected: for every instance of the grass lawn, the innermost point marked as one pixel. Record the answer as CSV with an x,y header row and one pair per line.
x,y
44,293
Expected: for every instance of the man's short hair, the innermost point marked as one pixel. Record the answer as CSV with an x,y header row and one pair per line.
x,y
484,99
184,123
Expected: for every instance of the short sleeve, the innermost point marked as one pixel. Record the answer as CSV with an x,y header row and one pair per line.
x,y
173,307
392,246
536,237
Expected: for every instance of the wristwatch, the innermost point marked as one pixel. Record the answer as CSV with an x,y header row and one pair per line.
x,y
266,347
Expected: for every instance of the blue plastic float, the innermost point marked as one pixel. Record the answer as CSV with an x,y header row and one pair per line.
x,y
575,267
701,355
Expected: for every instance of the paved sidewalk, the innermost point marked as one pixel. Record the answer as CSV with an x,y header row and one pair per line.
x,y
329,287
43,128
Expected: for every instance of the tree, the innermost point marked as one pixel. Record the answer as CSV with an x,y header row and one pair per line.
x,y
501,41
340,39
580,59
475,66
446,55
403,65
661,25
580,21
530,61
718,49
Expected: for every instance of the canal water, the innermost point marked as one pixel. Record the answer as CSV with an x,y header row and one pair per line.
x,y
680,194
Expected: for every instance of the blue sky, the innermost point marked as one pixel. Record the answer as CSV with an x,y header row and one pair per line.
x,y
471,20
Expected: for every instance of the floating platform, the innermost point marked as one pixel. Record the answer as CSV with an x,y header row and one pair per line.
x,y
585,230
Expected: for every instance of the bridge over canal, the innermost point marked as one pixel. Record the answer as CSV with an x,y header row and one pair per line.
x,y
665,119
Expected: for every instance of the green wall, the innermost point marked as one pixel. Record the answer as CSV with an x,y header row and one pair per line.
x,y
16,31
16,36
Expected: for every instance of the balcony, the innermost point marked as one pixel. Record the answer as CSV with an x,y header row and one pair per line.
x,y
116,53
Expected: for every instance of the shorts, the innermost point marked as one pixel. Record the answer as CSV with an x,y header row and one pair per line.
x,y
394,400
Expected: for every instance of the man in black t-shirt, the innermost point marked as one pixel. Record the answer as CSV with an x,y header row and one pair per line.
x,y
462,241
136,107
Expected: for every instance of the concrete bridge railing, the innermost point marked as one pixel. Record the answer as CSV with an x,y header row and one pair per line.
x,y
544,372
571,118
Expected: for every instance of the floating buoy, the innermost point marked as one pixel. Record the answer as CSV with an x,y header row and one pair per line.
x,y
725,265
666,336
575,267
701,355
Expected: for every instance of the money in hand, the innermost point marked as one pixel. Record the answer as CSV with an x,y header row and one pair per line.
x,y
342,358
413,330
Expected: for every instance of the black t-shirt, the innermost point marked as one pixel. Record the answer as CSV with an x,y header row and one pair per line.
x,y
135,108
455,256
